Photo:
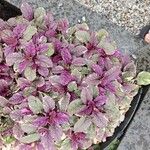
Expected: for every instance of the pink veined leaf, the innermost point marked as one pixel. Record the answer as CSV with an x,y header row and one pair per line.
x,y
92,79
48,18
65,78
8,50
61,118
24,147
8,38
80,50
100,100
97,69
39,146
56,132
79,61
40,121
30,49
43,47
3,87
3,101
16,115
27,11
57,69
99,119
23,83
44,61
66,56
43,71
17,98
19,29
86,95
13,58
23,65
111,75
86,111
17,131
48,103
63,25
65,102
47,141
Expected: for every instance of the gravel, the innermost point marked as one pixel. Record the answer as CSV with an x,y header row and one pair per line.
x,y
131,14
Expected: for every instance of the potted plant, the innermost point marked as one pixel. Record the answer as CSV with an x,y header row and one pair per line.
x,y
63,87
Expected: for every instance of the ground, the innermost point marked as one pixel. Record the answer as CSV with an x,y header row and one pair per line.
x,y
123,19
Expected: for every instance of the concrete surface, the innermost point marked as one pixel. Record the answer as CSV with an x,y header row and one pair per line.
x,y
138,134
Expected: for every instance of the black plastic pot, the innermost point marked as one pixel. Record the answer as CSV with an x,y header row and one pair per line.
x,y
7,11
121,130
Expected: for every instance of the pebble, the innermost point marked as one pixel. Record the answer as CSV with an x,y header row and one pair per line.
x,y
131,14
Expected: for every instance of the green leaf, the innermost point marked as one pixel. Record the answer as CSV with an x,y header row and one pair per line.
x,y
75,72
82,124
35,104
114,144
102,33
143,78
29,32
8,139
30,73
64,102
66,145
28,128
72,86
30,138
39,15
82,36
40,11
108,46
75,106
50,50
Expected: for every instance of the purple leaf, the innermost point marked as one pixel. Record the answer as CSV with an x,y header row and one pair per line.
x,y
63,25
16,115
56,132
48,103
30,50
100,100
3,87
61,118
47,142
79,61
43,71
111,75
3,101
13,58
92,79
8,38
65,78
19,29
27,11
79,50
40,121
17,131
66,56
23,65
48,18
97,69
17,98
86,95
99,119
44,61
23,83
